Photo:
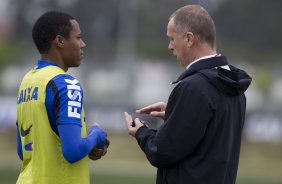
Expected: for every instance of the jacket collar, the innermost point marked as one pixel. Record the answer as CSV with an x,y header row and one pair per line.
x,y
203,64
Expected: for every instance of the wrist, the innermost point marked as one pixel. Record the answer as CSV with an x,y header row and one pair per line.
x,y
140,130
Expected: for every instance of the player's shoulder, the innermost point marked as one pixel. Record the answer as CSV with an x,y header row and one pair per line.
x,y
65,81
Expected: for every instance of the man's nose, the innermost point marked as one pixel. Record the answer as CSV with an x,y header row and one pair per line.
x,y
170,46
83,44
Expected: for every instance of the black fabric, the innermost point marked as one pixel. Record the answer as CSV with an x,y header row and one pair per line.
x,y
203,64
199,141
54,124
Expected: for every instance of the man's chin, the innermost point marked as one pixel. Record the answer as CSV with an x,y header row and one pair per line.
x,y
78,63
182,64
75,65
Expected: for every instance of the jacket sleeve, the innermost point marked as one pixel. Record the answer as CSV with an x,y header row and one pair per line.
x,y
187,116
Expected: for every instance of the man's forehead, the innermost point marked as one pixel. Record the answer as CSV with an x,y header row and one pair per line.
x,y
170,25
75,25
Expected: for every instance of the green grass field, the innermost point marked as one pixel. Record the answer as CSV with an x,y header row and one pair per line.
x,y
9,177
126,164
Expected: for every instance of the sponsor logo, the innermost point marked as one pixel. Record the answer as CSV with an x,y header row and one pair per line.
x,y
25,95
28,146
75,98
25,132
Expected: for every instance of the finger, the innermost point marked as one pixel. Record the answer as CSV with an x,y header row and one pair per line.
x,y
156,113
137,120
107,143
105,151
94,157
148,109
128,119
138,123
145,110
98,152
144,123
101,152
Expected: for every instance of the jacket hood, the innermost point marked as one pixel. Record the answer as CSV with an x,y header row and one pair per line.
x,y
231,82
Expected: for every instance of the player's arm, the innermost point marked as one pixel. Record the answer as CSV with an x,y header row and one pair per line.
x,y
67,105
74,147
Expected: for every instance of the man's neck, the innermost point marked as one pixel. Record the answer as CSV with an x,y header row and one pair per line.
x,y
204,57
55,59
201,51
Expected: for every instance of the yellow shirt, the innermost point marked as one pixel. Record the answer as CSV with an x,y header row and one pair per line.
x,y
43,161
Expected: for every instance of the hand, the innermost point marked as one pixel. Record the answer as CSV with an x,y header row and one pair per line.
x,y
132,129
156,110
96,154
100,136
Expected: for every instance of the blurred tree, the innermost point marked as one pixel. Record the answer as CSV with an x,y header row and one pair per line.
x,y
98,21
246,28
249,28
5,52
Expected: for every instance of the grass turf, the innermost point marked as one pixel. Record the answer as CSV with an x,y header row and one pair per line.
x,y
126,164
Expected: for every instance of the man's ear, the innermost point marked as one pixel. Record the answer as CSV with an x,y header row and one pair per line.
x,y
59,41
190,39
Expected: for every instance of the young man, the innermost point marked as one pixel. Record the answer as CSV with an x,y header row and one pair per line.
x,y
52,139
199,141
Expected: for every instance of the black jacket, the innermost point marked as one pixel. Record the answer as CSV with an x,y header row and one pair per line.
x,y
199,141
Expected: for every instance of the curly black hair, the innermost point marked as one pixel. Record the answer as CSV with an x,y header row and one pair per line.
x,y
48,26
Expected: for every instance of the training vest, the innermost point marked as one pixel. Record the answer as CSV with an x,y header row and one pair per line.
x,y
43,161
